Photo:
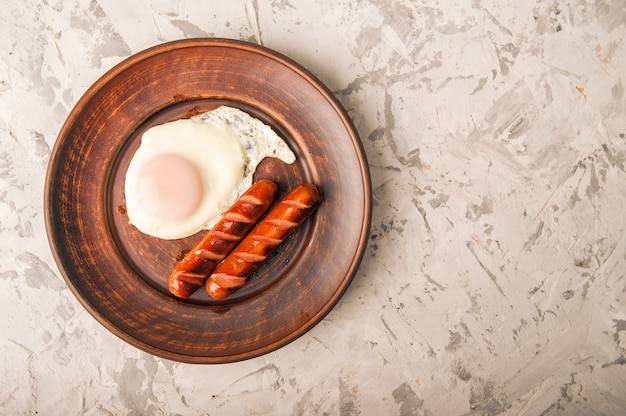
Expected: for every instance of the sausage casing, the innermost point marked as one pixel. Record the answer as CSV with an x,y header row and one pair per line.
x,y
190,273
264,238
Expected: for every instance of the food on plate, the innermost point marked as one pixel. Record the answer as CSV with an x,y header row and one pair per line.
x,y
189,274
264,238
187,172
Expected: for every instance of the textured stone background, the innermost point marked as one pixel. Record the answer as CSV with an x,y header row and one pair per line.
x,y
494,280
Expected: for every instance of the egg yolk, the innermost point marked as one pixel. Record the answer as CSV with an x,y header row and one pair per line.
x,y
169,187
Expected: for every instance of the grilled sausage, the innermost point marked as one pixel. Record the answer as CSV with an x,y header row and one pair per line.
x,y
268,234
190,273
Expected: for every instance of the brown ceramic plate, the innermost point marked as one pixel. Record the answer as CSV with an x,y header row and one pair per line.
x,y
119,274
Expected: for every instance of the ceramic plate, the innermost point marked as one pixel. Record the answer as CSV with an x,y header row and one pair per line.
x,y
120,275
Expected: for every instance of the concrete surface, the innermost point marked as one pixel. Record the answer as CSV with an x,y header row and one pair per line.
x,y
494,281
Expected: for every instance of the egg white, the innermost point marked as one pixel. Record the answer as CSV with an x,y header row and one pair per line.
x,y
225,145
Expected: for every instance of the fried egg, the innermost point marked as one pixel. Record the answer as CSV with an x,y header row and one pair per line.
x,y
186,173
